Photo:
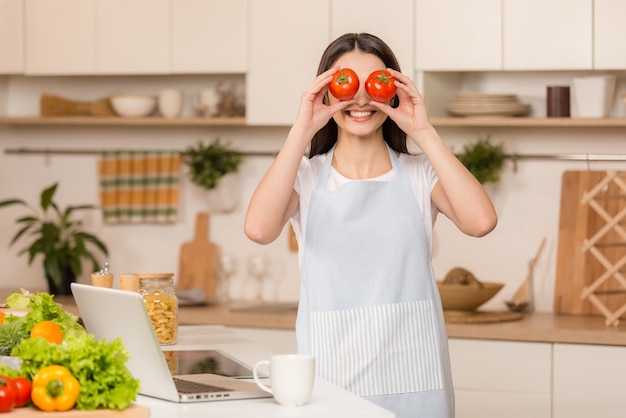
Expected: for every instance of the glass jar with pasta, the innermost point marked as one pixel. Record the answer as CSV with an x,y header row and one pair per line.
x,y
157,290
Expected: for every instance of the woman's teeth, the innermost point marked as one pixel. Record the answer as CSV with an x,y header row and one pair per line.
x,y
359,114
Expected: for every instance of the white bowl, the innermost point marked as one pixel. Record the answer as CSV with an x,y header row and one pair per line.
x,y
133,105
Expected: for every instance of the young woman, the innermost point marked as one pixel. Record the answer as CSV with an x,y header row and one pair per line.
x,y
363,211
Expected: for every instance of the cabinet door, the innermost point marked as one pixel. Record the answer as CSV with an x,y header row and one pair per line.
x,y
373,17
11,37
589,381
61,36
133,36
609,29
458,35
494,379
209,36
547,35
287,39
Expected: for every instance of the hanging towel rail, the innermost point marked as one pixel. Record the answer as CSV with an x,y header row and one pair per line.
x,y
68,151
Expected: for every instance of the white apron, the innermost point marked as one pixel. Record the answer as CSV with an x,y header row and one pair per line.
x,y
369,306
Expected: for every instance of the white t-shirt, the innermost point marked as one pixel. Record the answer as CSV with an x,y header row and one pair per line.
x,y
416,168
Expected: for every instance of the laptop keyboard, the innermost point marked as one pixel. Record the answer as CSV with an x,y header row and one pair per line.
x,y
185,386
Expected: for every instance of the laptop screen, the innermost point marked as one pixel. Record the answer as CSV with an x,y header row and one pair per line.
x,y
205,361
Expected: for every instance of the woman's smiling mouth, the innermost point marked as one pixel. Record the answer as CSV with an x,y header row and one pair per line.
x,y
359,114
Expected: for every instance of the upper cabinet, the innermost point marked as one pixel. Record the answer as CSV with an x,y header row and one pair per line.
x,y
547,35
609,32
209,36
287,39
11,37
61,37
458,35
133,37
109,37
396,28
495,35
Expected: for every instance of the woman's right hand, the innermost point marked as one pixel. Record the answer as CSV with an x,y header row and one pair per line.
x,y
313,114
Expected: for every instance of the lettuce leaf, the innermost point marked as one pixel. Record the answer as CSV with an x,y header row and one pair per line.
x,y
18,300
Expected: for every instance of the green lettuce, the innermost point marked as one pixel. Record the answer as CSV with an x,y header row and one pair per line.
x,y
18,300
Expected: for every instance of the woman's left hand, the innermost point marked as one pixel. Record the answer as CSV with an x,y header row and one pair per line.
x,y
410,115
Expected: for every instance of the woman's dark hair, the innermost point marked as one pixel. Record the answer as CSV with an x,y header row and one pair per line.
x,y
326,137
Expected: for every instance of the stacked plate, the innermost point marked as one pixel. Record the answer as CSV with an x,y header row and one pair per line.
x,y
479,104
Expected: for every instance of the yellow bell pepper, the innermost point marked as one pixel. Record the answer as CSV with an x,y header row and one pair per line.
x,y
55,389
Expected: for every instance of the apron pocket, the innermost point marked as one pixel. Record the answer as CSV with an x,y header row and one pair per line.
x,y
379,350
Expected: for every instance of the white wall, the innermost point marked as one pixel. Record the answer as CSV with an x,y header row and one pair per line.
x,y
527,200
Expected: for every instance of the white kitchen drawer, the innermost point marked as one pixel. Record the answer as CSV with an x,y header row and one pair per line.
x,y
479,404
501,366
589,381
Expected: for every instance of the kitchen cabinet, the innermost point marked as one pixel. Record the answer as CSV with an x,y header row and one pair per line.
x,y
89,37
11,37
133,37
284,55
60,37
209,36
609,28
348,16
547,35
113,37
495,379
589,381
455,35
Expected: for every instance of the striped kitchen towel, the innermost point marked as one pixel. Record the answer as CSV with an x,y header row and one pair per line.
x,y
139,186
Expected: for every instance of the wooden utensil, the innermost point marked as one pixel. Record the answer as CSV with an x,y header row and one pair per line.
x,y
199,258
520,298
51,105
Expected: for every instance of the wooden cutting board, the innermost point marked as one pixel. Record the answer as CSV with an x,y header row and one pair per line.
x,y
133,411
199,260
575,268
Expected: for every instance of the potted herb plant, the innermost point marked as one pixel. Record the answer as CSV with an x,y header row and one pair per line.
x,y
60,238
213,166
483,159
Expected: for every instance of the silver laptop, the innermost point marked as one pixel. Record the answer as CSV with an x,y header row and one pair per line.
x,y
111,313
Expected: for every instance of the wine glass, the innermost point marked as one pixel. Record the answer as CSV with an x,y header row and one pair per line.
x,y
227,269
258,269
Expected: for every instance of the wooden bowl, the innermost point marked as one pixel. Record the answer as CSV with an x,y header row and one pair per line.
x,y
458,297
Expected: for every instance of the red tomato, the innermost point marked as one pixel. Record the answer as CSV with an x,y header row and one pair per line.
x,y
380,85
344,85
8,392
24,388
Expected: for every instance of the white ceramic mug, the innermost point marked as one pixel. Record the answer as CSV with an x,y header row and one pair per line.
x,y
291,378
170,103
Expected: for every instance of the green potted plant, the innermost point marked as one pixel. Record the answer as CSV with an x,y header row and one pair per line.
x,y
483,159
60,238
213,166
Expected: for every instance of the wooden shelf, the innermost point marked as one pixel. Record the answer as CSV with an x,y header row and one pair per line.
x,y
523,122
506,122
118,121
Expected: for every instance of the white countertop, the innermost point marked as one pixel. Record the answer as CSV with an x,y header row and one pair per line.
x,y
327,400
